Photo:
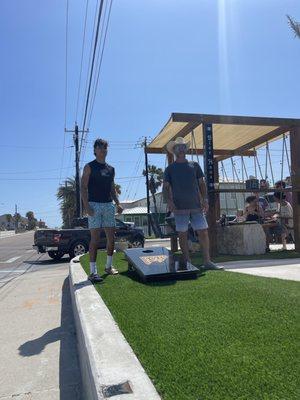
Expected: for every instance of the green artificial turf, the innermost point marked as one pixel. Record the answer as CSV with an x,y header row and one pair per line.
x,y
223,336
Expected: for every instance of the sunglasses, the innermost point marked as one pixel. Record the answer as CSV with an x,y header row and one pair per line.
x,y
180,147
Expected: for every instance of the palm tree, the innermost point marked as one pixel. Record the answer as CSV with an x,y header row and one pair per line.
x,y
66,193
155,181
9,219
294,25
31,220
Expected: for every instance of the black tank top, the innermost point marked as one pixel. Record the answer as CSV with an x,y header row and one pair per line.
x,y
100,182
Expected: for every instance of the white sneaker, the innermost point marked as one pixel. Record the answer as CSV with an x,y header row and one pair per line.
x,y
212,266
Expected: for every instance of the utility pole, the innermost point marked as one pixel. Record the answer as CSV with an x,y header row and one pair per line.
x,y
147,186
77,173
76,132
16,219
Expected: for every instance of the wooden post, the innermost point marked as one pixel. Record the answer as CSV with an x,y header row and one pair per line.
x,y
295,175
209,171
173,239
217,203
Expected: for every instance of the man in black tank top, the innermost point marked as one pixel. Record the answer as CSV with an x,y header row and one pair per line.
x,y
98,192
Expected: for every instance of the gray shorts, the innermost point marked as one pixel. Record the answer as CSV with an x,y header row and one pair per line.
x,y
198,221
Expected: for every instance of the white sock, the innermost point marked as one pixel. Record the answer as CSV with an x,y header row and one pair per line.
x,y
109,262
93,269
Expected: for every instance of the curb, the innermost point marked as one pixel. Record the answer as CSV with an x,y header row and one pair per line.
x,y
109,367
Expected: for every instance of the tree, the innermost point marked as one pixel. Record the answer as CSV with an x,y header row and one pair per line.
x,y
9,218
32,221
66,193
294,25
155,181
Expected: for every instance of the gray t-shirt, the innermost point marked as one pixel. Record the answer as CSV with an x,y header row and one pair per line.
x,y
183,178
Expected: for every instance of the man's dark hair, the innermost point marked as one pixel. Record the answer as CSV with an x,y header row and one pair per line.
x,y
100,143
249,199
279,195
280,183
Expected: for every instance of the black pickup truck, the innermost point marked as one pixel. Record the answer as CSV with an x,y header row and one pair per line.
x,y
74,242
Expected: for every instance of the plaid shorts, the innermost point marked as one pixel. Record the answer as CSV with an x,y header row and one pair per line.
x,y
104,215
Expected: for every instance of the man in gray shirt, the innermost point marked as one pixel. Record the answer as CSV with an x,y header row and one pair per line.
x,y
186,194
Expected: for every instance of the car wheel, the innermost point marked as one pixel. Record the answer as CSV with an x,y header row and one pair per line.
x,y
77,249
137,242
55,255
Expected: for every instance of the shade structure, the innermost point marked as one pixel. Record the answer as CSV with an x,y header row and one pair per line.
x,y
232,135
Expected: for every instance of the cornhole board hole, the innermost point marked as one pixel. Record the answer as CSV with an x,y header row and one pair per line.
x,y
158,263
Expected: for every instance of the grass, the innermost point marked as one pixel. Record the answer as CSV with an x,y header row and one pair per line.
x,y
224,336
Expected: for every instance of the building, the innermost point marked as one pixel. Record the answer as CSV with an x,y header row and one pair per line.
x,y
6,223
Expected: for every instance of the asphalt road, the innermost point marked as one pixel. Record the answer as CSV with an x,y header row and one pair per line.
x,y
17,257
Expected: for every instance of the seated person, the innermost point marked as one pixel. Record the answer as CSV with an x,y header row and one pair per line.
x,y
283,218
289,195
223,220
264,184
262,201
253,210
239,217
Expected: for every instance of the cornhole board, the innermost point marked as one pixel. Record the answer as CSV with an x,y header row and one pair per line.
x,y
158,263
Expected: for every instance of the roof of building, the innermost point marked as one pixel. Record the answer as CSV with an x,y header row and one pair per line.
x,y
135,210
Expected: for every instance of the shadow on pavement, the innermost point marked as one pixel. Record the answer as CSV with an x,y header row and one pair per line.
x,y
48,261
69,372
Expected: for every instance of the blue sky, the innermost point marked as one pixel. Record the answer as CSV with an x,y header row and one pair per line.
x,y
221,57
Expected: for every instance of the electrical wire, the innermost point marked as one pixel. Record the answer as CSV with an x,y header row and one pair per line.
x,y
81,62
100,62
98,67
91,73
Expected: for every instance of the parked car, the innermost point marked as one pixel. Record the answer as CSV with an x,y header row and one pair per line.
x,y
58,242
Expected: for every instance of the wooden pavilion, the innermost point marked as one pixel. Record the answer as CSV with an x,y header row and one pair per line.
x,y
218,137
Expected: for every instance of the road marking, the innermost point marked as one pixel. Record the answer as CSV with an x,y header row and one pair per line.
x,y
30,251
16,271
11,260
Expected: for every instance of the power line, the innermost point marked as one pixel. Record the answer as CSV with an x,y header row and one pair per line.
x,y
57,178
98,58
98,64
82,53
32,172
66,86
66,60
90,58
30,147
92,70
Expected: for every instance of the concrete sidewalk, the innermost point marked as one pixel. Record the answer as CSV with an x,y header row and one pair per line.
x,y
288,269
38,342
